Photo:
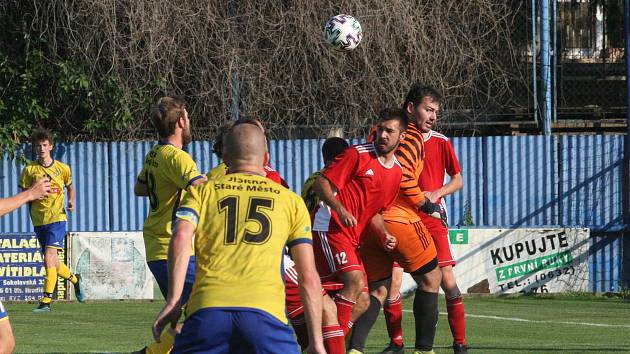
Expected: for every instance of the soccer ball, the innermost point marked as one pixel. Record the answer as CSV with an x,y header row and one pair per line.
x,y
343,32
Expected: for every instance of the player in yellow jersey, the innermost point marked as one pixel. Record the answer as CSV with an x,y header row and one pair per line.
x,y
331,148
242,223
48,214
167,173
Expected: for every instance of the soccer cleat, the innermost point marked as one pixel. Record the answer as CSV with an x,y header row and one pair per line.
x,y
78,289
459,348
354,351
42,308
423,352
392,348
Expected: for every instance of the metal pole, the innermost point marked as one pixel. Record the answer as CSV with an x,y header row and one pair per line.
x,y
555,60
545,54
534,83
627,140
236,112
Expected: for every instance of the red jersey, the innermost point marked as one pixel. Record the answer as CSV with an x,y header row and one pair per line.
x,y
364,186
439,158
410,154
275,176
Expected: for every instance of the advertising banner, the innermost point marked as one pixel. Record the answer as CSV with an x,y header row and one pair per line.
x,y
112,265
533,260
528,261
22,270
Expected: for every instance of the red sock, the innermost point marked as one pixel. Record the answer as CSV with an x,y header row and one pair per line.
x,y
455,309
301,332
393,318
344,312
333,339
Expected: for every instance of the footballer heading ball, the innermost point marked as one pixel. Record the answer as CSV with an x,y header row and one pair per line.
x,y
343,32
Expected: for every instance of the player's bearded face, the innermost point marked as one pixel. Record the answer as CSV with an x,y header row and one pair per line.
x,y
388,136
425,114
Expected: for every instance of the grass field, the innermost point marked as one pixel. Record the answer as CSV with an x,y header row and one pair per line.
x,y
568,324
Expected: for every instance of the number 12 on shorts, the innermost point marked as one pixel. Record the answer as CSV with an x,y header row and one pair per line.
x,y
341,258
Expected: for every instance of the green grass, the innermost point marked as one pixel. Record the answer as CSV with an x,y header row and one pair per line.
x,y
555,325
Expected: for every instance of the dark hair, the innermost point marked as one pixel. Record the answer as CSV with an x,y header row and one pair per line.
x,y
42,134
417,92
165,114
333,147
217,147
394,114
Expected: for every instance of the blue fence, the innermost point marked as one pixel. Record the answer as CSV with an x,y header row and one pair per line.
x,y
508,182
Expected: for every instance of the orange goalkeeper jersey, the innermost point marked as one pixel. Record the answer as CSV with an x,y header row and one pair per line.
x,y
410,155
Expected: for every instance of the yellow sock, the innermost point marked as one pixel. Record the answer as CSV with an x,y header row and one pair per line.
x,y
167,339
49,284
64,272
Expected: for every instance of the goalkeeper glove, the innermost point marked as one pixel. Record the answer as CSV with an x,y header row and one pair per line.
x,y
434,210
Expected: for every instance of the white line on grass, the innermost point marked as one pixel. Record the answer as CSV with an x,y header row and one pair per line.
x,y
516,319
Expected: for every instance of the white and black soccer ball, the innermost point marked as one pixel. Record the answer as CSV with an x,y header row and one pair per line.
x,y
343,32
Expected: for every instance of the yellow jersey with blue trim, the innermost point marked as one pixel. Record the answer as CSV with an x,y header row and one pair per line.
x,y
167,172
242,224
51,208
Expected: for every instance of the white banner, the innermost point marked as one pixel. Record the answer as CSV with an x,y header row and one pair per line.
x,y
505,261
112,265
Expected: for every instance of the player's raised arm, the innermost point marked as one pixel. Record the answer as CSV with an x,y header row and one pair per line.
x,y
311,294
326,192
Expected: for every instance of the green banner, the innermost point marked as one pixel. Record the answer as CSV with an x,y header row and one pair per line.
x,y
534,265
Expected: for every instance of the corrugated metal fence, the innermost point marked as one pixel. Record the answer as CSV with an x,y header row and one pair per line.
x,y
508,182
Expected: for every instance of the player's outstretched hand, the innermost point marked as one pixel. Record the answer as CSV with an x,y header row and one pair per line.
x,y
347,219
70,206
390,242
434,210
169,315
40,189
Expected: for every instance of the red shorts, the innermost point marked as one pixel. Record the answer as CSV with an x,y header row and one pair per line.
x,y
335,253
292,294
439,233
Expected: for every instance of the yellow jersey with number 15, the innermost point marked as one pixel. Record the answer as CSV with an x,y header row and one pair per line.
x,y
52,208
167,172
243,223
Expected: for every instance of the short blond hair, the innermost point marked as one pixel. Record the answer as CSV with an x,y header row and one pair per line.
x,y
165,114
